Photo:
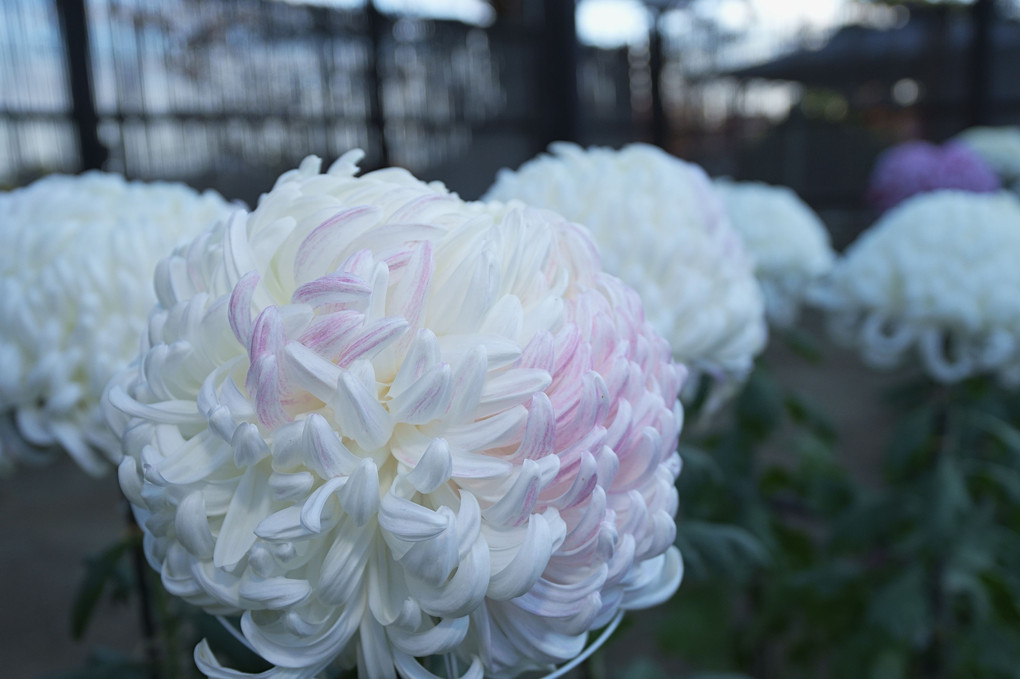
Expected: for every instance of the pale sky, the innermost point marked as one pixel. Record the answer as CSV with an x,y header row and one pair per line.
x,y
469,11
611,23
765,26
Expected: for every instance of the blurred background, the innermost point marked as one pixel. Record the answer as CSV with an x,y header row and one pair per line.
x,y
227,94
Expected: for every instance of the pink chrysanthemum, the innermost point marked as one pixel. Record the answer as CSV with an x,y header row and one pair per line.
x,y
920,167
381,424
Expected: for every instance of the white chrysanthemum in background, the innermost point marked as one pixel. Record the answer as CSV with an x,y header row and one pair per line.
x,y
381,424
661,227
788,241
999,147
76,281
939,272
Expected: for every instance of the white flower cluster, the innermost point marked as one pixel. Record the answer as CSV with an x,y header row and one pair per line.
x,y
76,281
661,227
381,423
1000,148
788,241
938,272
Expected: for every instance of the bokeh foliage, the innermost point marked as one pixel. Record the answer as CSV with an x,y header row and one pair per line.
x,y
798,568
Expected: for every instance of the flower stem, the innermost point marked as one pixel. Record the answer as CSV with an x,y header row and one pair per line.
x,y
169,624
144,595
934,657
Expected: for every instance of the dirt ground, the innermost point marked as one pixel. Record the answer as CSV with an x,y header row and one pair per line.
x,y
51,518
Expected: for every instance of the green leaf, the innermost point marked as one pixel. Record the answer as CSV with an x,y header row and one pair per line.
x,y
99,571
1005,600
807,414
995,476
1003,431
776,479
719,550
890,664
870,522
700,463
912,437
813,452
793,546
759,406
900,607
804,344
910,393
697,625
834,588
643,668
965,586
987,650
693,407
950,501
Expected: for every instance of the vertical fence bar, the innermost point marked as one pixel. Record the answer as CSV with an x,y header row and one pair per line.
x,y
655,63
982,16
376,26
74,30
559,51
324,57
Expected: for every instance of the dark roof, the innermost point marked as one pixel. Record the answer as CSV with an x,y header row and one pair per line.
x,y
858,54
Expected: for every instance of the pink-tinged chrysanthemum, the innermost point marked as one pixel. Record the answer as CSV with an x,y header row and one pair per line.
x,y
919,167
76,282
381,423
662,228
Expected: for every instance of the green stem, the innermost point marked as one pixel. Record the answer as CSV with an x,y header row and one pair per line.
x,y
169,628
141,570
934,659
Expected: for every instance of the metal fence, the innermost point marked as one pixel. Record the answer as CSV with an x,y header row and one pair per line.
x,y
231,92
228,93
36,130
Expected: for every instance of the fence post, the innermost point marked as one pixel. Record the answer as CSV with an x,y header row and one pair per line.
x,y
74,30
559,58
376,29
655,63
982,49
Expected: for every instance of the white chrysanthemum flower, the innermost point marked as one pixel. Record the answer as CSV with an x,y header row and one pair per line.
x,y
381,423
76,280
1000,148
661,227
938,272
788,241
